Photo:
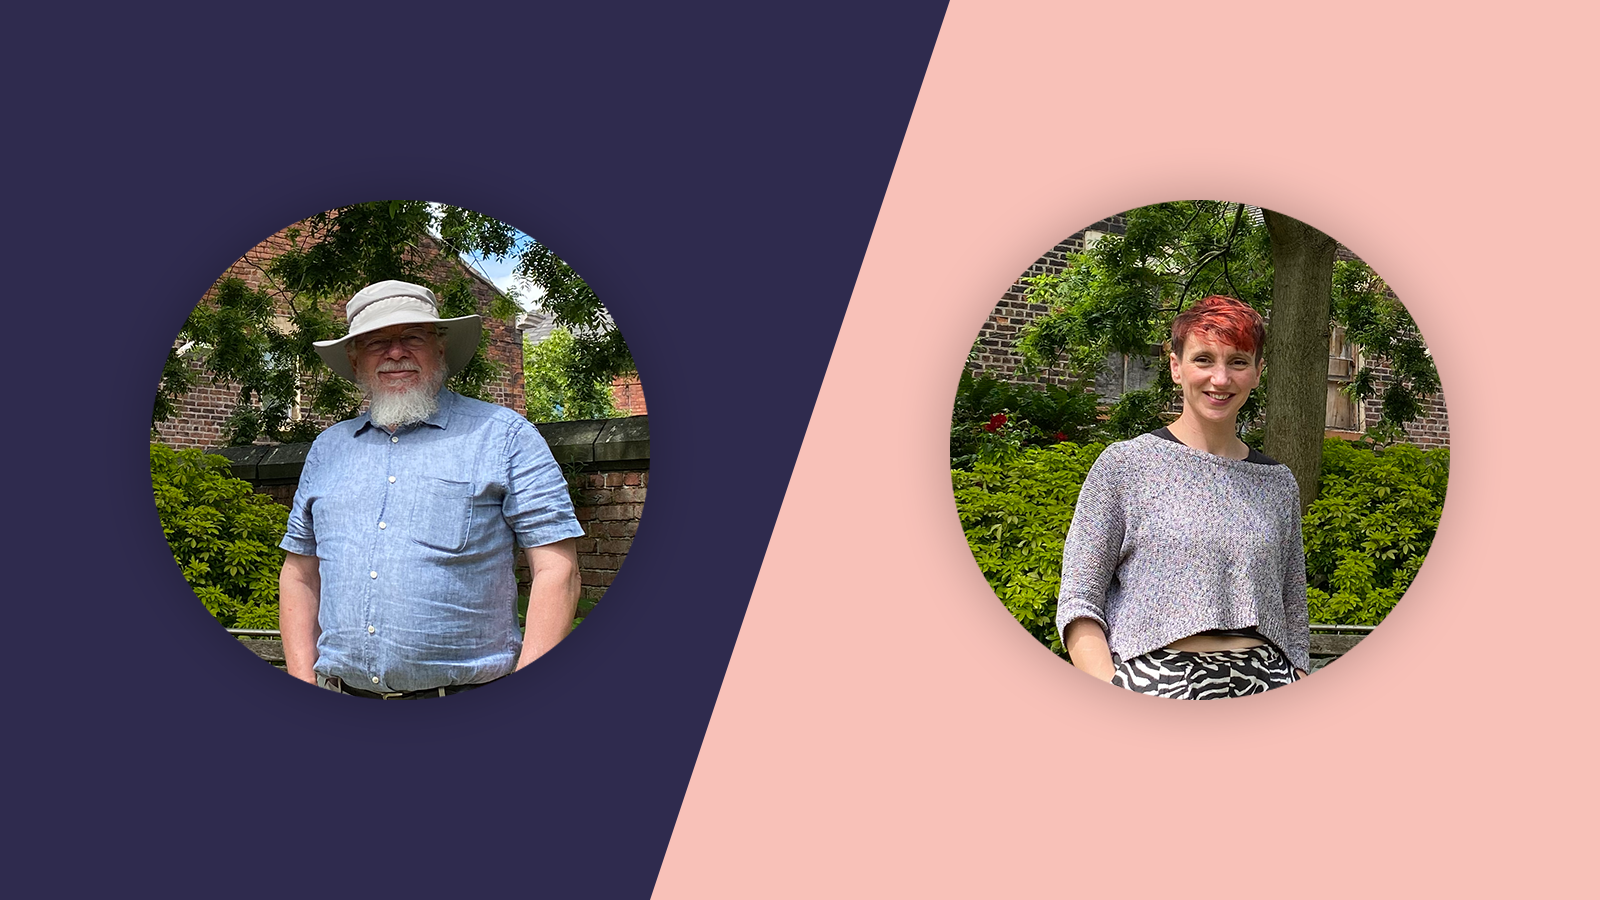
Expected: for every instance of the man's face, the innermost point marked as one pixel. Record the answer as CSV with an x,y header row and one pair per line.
x,y
398,360
402,369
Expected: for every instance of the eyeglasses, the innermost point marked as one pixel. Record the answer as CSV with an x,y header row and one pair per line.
x,y
411,341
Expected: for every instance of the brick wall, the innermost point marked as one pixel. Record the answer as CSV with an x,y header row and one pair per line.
x,y
994,351
198,419
200,414
609,507
627,395
1431,429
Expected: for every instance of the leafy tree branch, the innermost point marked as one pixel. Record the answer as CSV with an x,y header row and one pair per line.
x,y
260,338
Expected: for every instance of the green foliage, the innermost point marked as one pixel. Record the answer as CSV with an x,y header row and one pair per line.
x,y
1365,536
240,338
1379,324
223,536
1015,512
1140,412
1370,527
599,353
176,380
246,338
1123,292
1121,295
551,391
1032,417
586,605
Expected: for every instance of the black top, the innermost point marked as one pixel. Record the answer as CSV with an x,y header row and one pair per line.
x,y
1256,456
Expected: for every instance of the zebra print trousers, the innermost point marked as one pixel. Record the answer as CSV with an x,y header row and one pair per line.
x,y
1189,675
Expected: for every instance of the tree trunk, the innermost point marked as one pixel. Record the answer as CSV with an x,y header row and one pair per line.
x,y
1297,349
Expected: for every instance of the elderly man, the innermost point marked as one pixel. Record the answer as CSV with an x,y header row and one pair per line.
x,y
399,578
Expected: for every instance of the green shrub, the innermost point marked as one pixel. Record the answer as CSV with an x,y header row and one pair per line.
x,y
223,535
1366,535
552,393
991,418
1015,512
1370,528
1140,412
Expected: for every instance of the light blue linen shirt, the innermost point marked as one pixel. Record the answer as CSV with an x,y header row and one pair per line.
x,y
414,534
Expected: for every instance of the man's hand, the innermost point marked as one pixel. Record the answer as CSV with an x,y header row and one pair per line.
x,y
553,599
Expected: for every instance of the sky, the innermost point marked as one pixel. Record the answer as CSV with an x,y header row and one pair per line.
x,y
500,274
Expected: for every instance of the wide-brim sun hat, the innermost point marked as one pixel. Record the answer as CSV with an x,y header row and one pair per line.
x,y
401,303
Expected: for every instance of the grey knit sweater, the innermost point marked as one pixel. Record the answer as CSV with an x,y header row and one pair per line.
x,y
1168,541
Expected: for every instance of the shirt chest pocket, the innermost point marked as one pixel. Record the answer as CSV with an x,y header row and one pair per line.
x,y
442,515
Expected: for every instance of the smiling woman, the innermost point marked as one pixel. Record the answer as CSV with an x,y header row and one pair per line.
x,y
1151,522
1184,568
1216,362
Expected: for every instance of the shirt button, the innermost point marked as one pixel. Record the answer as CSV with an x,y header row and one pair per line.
x,y
394,440
370,629
374,574
383,525
391,479
374,679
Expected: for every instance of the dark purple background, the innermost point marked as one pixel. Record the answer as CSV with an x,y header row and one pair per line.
x,y
715,175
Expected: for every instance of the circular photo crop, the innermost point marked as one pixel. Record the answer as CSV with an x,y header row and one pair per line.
x,y
399,449
1199,449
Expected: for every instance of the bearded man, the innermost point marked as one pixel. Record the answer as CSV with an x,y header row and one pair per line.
x,y
399,580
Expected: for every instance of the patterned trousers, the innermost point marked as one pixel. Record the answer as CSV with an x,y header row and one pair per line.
x,y
1190,675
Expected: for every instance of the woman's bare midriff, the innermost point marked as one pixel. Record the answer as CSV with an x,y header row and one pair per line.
x,y
1210,643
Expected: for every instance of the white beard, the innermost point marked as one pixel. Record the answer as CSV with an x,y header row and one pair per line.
x,y
406,406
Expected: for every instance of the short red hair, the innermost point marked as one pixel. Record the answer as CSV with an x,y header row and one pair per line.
x,y
1221,320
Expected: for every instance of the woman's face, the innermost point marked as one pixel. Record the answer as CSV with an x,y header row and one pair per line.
x,y
1215,378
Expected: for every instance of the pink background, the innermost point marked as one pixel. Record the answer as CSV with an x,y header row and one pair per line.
x,y
885,729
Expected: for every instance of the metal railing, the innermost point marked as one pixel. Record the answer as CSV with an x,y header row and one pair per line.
x,y
1316,628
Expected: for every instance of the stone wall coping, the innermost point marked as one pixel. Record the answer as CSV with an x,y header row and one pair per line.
x,y
1333,644
1322,646
623,440
592,443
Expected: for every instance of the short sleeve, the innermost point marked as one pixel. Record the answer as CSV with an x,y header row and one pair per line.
x,y
301,536
537,505
1093,544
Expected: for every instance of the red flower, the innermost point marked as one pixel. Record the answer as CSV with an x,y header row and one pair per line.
x,y
995,423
